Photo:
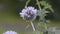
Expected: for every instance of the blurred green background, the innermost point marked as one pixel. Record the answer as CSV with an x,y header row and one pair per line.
x,y
9,14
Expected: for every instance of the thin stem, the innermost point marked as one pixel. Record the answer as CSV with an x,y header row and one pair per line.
x,y
41,13
27,3
39,9
45,26
33,26
44,8
38,4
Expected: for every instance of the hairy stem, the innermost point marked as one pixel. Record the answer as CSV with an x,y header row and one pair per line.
x,y
27,3
33,26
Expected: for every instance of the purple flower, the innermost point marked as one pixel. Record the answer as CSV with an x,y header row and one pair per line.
x,y
10,32
29,13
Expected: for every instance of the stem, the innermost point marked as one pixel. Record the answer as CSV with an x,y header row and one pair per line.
x,y
33,26
38,4
45,26
27,3
39,9
41,12
44,8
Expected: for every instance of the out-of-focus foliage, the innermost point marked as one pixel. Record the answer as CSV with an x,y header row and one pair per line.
x,y
47,5
43,13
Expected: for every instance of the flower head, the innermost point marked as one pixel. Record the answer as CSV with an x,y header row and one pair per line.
x,y
29,13
10,32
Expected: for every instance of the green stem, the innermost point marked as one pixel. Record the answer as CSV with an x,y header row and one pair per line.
x,y
27,3
33,26
45,26
39,8
38,4
41,11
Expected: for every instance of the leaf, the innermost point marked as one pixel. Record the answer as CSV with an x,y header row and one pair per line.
x,y
47,5
42,13
43,3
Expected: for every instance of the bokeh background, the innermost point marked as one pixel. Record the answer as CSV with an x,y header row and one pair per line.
x,y
11,20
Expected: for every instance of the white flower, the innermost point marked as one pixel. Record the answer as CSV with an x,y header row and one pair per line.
x,y
10,32
29,13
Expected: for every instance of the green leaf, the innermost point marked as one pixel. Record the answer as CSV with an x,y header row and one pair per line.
x,y
42,12
43,3
47,5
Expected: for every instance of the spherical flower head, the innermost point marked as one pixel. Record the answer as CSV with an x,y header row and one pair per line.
x,y
29,13
10,32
